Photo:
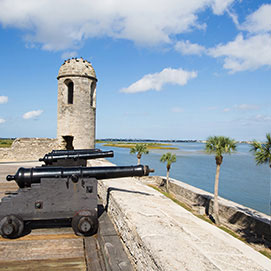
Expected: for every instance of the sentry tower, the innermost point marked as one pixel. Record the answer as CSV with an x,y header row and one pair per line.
x,y
76,113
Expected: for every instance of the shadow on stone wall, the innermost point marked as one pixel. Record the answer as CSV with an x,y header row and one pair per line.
x,y
110,189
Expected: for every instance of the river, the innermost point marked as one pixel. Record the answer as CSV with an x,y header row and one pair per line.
x,y
241,180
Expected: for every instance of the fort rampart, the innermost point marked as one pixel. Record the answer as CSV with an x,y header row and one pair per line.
x,y
249,223
28,149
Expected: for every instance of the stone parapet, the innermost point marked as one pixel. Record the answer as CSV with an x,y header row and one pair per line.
x,y
254,226
160,235
23,149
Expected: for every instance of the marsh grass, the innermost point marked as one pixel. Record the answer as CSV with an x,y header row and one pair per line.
x,y
150,146
6,143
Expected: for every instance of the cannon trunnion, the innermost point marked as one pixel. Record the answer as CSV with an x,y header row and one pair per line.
x,y
49,193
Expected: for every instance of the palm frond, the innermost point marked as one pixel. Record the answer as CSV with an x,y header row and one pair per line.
x,y
219,145
139,148
262,152
169,158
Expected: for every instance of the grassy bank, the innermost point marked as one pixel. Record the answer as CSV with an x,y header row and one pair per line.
x,y
150,146
6,143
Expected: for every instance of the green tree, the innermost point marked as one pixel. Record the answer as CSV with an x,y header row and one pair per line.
x,y
218,145
169,158
262,152
139,149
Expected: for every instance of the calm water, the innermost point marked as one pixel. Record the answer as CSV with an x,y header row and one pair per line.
x,y
240,179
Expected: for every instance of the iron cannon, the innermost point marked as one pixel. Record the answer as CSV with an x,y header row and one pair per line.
x,y
74,158
24,177
61,152
52,193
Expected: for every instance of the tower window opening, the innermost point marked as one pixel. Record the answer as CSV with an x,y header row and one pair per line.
x,y
70,93
70,87
93,94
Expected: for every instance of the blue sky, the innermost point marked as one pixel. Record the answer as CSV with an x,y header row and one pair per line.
x,y
166,69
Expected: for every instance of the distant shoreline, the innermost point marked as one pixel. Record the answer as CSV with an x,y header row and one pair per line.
x,y
7,142
160,140
146,140
149,145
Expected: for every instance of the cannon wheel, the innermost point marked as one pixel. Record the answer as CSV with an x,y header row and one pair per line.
x,y
85,223
11,226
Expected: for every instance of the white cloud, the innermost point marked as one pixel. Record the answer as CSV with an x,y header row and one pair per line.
x,y
32,114
256,119
242,107
157,80
64,24
259,21
187,48
252,52
219,6
234,17
246,107
69,54
177,109
244,54
3,99
2,120
260,117
253,121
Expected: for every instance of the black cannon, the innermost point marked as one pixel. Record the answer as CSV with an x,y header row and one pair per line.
x,y
49,193
24,177
74,158
61,152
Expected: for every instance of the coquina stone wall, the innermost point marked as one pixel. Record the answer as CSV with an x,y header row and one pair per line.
x,y
253,226
28,149
76,113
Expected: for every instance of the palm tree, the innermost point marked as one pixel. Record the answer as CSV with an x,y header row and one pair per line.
x,y
169,158
139,149
218,145
262,152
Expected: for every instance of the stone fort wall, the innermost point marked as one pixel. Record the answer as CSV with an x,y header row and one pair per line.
x,y
28,149
249,223
76,113
77,119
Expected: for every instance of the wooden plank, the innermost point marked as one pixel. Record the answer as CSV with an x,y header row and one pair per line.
x,y
41,249
94,259
42,237
58,264
115,257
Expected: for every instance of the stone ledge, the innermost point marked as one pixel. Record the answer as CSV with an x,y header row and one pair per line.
x,y
23,149
160,235
251,224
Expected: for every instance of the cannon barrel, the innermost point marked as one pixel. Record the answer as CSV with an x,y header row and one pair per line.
x,y
24,177
64,152
51,157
